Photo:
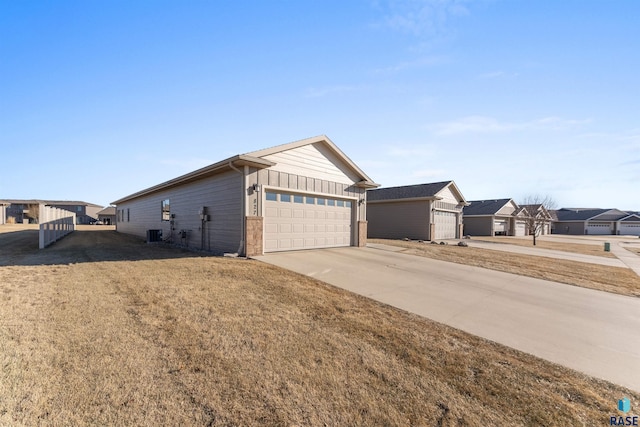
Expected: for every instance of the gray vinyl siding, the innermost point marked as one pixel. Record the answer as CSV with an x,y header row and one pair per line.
x,y
478,226
397,220
574,228
221,194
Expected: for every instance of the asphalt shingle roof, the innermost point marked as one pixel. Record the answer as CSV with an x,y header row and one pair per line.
x,y
484,207
407,191
578,214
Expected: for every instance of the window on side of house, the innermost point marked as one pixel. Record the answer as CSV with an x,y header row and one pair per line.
x,y
285,198
166,210
128,215
297,199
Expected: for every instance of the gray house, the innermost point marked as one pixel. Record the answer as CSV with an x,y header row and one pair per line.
x,y
496,217
579,221
629,225
302,195
19,211
425,211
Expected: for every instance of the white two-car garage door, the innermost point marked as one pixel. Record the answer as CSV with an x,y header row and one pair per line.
x,y
299,221
630,229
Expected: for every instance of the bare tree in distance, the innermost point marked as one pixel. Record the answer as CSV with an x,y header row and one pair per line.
x,y
34,212
536,208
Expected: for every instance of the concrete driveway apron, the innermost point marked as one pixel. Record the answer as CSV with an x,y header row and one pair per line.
x,y
594,332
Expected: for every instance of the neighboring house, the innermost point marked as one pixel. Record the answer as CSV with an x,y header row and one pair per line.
x,y
497,217
425,211
107,215
3,213
629,225
27,211
580,221
302,195
538,219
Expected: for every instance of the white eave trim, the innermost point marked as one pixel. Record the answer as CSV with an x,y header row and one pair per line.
x,y
238,160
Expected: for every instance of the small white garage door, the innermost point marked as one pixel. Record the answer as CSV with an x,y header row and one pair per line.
x,y
445,225
521,228
500,227
630,229
300,221
599,228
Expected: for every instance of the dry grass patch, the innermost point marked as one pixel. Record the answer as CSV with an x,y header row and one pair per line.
x,y
585,249
611,279
160,337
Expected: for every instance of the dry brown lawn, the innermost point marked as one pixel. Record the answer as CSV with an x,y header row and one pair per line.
x,y
611,279
585,249
102,329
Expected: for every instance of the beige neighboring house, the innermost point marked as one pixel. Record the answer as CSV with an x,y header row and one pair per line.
x,y
27,211
3,213
107,216
302,195
539,219
494,217
430,211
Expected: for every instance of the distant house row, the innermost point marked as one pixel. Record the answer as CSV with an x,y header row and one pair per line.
x,y
28,211
308,194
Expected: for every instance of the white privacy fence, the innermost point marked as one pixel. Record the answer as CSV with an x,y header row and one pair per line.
x,y
55,224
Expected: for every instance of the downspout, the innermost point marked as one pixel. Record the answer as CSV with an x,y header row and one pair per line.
x,y
243,203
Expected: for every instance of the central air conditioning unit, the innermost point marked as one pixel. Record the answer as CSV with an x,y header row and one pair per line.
x,y
154,236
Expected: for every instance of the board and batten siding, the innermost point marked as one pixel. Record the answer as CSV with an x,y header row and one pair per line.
x,y
399,219
220,194
448,196
312,160
302,184
507,209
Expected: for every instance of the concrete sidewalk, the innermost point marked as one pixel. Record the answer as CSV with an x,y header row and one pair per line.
x,y
550,253
591,331
629,258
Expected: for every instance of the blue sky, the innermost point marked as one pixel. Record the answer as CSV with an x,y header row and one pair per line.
x,y
99,99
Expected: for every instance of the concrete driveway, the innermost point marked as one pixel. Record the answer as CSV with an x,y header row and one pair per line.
x,y
594,332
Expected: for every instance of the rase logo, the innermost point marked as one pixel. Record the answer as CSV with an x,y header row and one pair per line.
x,y
624,406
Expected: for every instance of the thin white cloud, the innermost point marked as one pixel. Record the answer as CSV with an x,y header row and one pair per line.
x,y
484,124
422,17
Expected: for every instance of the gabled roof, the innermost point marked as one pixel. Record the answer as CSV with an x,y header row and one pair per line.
x,y
419,191
365,181
46,202
111,210
485,207
536,210
254,159
582,214
631,217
